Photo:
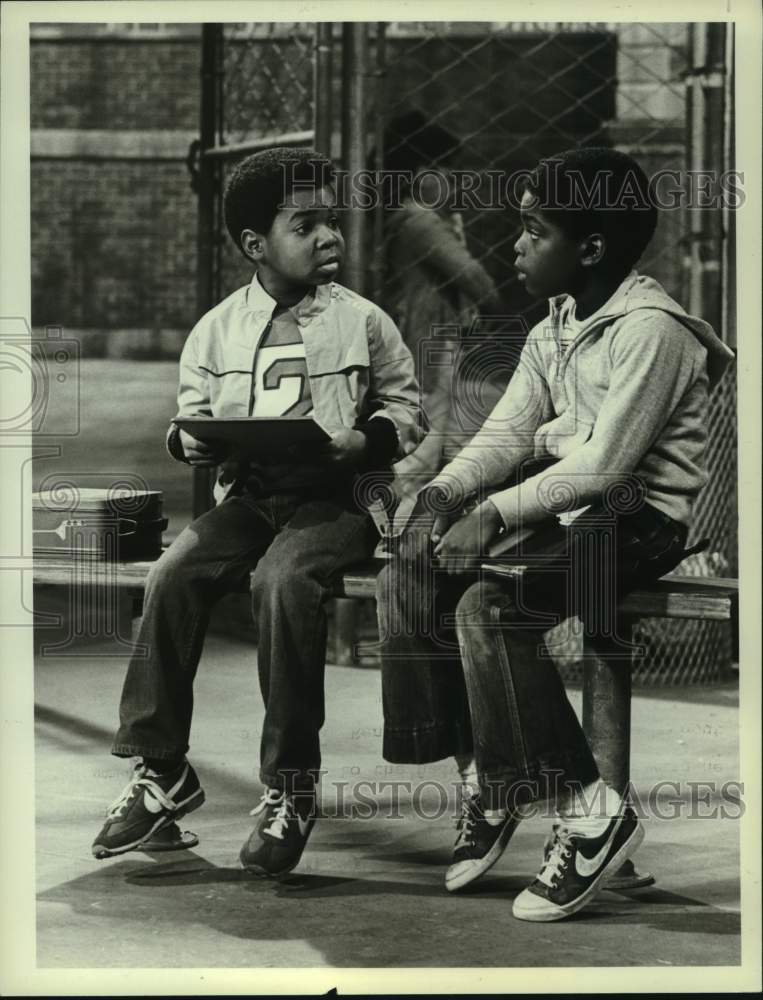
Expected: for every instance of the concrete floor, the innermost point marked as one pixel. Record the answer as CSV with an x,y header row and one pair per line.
x,y
369,891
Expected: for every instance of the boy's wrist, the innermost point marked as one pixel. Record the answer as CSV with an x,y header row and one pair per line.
x,y
490,514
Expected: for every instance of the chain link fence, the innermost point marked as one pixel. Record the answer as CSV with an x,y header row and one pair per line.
x,y
266,91
508,94
512,94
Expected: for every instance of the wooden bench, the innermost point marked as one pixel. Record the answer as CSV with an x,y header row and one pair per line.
x,y
606,682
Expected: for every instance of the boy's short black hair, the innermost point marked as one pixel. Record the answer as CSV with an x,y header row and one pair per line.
x,y
598,190
411,142
259,184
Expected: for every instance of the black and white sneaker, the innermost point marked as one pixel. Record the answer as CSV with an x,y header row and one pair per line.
x,y
575,868
277,842
148,803
479,844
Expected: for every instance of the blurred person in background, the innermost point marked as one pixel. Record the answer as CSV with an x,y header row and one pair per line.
x,y
432,278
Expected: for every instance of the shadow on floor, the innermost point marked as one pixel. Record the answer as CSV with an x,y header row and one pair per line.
x,y
189,889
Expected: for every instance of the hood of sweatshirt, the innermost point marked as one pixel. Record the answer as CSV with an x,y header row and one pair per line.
x,y
638,291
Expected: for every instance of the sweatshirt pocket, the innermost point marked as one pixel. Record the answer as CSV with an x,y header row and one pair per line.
x,y
562,435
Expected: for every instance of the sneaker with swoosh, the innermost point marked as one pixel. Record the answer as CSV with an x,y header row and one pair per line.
x,y
575,868
276,844
148,803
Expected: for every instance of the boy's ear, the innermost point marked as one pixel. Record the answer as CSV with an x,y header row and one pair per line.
x,y
592,249
252,245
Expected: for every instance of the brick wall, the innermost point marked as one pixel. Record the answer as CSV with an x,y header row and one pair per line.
x,y
113,244
120,84
113,213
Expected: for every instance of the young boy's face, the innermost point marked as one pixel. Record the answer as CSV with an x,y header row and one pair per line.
x,y
305,245
548,260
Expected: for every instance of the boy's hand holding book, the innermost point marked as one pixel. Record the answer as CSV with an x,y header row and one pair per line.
x,y
461,547
200,454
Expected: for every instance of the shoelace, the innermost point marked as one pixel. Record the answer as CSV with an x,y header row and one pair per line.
x,y
549,842
466,823
138,780
285,811
556,857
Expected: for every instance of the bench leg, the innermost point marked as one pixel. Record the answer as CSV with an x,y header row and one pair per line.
x,y
607,725
136,612
345,632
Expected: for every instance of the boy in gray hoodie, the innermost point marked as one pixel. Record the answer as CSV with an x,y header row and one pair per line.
x,y
610,400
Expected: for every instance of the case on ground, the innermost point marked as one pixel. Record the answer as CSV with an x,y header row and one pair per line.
x,y
118,524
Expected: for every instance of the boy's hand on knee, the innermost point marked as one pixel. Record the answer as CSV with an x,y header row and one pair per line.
x,y
198,453
468,539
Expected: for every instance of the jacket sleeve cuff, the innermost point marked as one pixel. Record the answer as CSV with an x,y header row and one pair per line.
x,y
498,500
174,447
381,440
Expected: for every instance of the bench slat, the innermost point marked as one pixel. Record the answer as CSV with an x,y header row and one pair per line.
x,y
672,597
705,598
63,572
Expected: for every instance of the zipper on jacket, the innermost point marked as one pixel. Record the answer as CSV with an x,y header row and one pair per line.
x,y
563,359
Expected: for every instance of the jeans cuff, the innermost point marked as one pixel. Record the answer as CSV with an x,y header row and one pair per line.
x,y
544,779
159,753
426,745
292,780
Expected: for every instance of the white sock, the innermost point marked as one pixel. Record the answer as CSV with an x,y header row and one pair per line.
x,y
590,809
467,770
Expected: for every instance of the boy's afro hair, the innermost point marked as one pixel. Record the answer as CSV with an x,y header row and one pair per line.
x,y
598,190
411,142
260,183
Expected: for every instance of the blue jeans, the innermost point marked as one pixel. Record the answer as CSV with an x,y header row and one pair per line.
x,y
464,662
296,547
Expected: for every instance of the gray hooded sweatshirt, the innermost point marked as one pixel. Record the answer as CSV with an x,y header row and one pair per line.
x,y
628,397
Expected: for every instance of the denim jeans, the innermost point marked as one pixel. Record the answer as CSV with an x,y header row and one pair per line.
x,y
296,546
464,662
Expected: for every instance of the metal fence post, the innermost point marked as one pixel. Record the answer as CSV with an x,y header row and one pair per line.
x,y
207,226
380,74
354,59
322,85
728,330
354,62
706,141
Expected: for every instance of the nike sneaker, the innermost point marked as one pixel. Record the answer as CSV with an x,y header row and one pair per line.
x,y
148,803
575,868
479,844
278,840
